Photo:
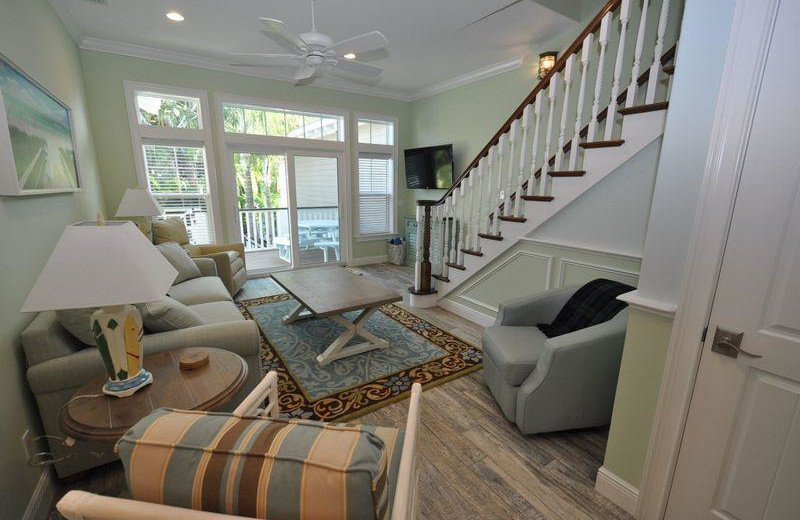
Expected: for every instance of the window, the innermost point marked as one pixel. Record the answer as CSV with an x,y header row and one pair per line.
x,y
376,177
171,144
279,122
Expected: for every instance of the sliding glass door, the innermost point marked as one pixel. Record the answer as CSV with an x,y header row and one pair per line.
x,y
316,181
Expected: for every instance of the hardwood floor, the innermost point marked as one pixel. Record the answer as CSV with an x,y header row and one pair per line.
x,y
474,463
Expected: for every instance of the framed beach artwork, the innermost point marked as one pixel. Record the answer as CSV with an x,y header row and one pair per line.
x,y
37,151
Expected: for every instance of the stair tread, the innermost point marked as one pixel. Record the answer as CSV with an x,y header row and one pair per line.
x,y
567,173
640,109
455,266
512,219
539,198
603,144
489,236
440,277
421,293
471,252
669,69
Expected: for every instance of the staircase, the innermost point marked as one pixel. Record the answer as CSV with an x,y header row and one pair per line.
x,y
601,104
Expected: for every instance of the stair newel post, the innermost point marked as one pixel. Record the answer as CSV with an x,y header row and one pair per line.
x,y
586,51
454,226
426,286
486,225
462,228
655,68
548,135
637,56
598,82
537,112
522,152
562,133
512,146
476,239
624,16
496,202
447,212
468,214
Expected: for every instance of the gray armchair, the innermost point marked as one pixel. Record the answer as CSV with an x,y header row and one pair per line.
x,y
561,383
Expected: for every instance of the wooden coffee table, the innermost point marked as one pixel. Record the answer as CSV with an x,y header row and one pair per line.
x,y
329,292
105,418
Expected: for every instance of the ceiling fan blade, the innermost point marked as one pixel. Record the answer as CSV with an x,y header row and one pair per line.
x,y
305,72
266,60
362,43
356,67
284,34
482,18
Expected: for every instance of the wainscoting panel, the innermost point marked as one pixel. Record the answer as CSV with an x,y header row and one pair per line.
x,y
575,272
514,276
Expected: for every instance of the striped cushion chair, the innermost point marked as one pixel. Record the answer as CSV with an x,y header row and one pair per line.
x,y
259,467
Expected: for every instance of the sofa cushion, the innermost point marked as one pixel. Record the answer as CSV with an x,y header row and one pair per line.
x,y
592,304
261,468
514,351
168,314
77,323
200,290
218,312
237,265
171,229
180,260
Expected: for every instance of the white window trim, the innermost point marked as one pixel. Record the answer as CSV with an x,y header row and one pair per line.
x,y
391,150
144,134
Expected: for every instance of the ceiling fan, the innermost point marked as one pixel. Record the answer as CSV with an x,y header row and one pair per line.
x,y
315,53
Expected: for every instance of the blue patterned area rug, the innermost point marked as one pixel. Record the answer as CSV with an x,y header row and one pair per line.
x,y
418,352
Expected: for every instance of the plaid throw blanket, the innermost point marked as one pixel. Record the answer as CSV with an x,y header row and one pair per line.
x,y
593,303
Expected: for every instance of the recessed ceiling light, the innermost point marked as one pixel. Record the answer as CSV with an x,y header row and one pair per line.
x,y
175,16
350,56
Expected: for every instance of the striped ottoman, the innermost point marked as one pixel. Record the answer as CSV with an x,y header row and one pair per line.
x,y
262,468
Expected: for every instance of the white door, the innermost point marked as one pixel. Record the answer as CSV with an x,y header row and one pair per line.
x,y
740,455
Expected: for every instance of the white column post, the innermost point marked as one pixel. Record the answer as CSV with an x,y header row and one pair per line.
x,y
562,133
655,68
637,56
598,83
496,202
548,135
624,16
512,145
537,111
476,240
586,52
522,151
447,210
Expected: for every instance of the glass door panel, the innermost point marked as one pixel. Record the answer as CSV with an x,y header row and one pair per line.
x,y
263,209
317,200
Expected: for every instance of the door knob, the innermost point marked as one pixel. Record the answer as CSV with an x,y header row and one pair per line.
x,y
728,343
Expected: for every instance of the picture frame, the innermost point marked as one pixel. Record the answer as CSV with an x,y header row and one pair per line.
x,y
37,137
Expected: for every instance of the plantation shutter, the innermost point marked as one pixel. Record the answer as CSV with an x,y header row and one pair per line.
x,y
177,178
375,193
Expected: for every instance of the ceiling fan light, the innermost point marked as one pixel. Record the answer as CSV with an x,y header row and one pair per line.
x,y
175,16
349,56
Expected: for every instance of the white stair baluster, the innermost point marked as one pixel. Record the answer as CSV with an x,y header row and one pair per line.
x,y
637,56
436,233
562,133
476,240
418,260
598,83
548,135
470,187
448,203
518,202
655,68
462,227
486,225
501,145
537,111
586,51
512,146
611,114
455,224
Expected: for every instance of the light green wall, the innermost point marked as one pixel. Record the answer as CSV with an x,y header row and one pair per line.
x,y
637,394
104,74
32,36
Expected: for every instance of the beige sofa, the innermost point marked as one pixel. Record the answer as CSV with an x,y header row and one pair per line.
x,y
58,363
229,258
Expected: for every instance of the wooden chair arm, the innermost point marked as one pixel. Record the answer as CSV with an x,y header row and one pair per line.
x,y
81,505
266,389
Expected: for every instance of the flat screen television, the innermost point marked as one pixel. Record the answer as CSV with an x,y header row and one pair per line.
x,y
430,167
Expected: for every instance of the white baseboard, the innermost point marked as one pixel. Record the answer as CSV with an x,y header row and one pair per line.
x,y
42,498
466,312
620,492
367,260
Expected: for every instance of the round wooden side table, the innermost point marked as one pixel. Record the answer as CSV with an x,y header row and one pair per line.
x,y
105,418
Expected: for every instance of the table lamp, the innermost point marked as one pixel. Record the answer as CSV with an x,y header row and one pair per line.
x,y
139,203
109,265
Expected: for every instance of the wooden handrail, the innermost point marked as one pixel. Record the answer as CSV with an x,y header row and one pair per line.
x,y
574,47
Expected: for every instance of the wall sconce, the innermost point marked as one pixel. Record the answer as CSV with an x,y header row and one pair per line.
x,y
547,60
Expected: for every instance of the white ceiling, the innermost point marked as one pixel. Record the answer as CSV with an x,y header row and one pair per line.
x,y
427,45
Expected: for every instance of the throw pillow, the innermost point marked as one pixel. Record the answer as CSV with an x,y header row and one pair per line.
x,y
180,260
78,323
170,230
592,304
168,314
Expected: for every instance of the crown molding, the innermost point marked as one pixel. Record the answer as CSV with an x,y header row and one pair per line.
x,y
192,60
465,79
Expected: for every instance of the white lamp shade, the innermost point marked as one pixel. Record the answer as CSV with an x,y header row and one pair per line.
x,y
96,266
138,202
